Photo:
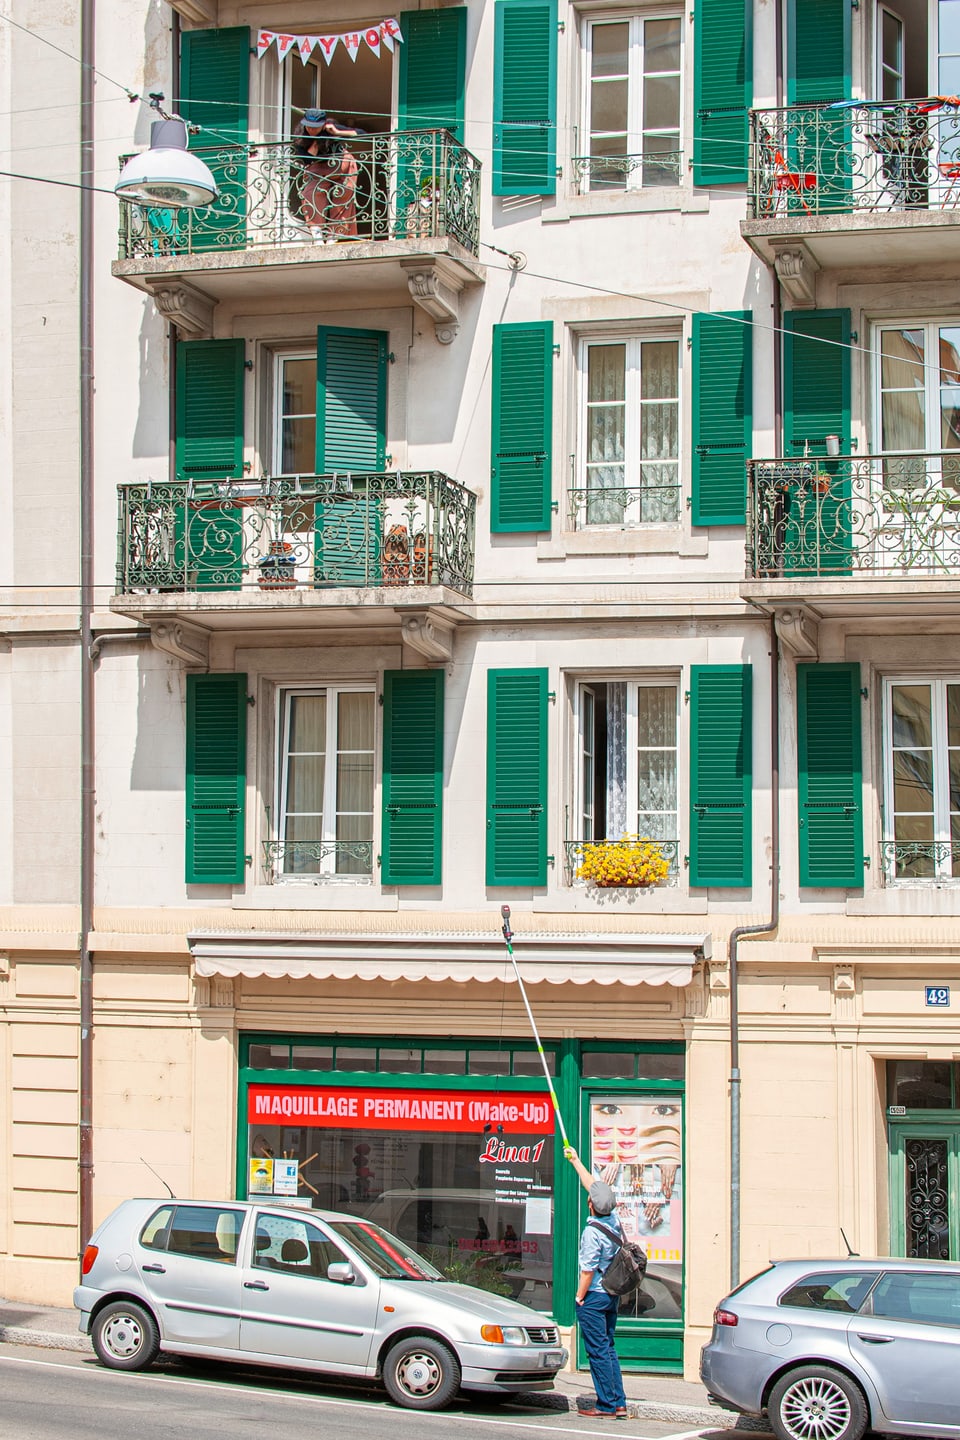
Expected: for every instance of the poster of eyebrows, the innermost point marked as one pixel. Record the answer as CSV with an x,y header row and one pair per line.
x,y
635,1146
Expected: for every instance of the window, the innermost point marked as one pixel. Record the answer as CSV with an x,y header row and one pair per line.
x,y
922,1084
204,1232
294,1246
325,810
628,762
922,791
843,1293
156,1232
632,103
295,414
890,60
926,1299
918,400
630,433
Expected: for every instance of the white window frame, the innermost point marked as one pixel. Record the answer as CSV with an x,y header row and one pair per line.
x,y
635,77
881,68
941,776
280,357
633,405
327,866
931,376
634,684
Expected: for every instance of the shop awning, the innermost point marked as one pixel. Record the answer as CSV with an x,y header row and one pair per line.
x,y
612,959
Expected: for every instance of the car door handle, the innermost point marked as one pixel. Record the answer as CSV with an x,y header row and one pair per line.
x,y
155,1269
877,1339
255,1285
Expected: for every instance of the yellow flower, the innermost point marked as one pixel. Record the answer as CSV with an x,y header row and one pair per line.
x,y
628,861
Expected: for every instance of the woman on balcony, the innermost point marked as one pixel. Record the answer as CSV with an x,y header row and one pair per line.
x,y
328,192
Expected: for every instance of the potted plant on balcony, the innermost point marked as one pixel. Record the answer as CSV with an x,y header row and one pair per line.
x,y
629,863
277,569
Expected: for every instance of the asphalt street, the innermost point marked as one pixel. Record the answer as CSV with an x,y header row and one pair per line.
x,y
47,1395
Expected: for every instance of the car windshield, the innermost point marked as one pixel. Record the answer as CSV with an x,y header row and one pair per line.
x,y
383,1252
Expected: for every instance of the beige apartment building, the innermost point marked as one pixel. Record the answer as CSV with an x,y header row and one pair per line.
x,y
539,493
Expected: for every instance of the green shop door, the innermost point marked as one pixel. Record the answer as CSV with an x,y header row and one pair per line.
x,y
925,1190
635,1143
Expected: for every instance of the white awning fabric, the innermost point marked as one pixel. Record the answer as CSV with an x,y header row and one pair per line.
x,y
613,959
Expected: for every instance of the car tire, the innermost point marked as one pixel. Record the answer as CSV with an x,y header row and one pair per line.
x,y
816,1402
125,1336
421,1373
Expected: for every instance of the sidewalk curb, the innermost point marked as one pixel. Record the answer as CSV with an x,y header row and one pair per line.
x,y
43,1339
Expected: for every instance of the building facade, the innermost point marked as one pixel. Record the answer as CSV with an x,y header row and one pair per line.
x,y
540,493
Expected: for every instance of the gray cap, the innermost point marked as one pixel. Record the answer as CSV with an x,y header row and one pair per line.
x,y
602,1198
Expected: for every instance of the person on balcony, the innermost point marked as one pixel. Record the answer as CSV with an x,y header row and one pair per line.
x,y
328,190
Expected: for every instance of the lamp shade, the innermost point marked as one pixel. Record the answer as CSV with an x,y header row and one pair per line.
x,y
167,173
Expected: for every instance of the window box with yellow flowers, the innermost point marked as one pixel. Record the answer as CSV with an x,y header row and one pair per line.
x,y
629,862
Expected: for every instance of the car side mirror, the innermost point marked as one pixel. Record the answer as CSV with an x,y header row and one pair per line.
x,y
341,1272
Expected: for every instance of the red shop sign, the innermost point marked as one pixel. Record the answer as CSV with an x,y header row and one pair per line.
x,y
350,1108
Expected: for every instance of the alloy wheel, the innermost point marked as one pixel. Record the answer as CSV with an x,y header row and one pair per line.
x,y
815,1408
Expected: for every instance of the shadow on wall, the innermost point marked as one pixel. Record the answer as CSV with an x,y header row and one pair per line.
x,y
151,432
159,755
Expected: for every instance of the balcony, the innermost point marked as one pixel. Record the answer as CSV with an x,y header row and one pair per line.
x,y
855,534
417,213
299,550
862,183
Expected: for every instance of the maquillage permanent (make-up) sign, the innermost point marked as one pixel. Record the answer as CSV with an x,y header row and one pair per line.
x,y
351,1107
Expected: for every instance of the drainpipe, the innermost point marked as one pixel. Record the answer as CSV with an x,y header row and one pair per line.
x,y
733,950
86,514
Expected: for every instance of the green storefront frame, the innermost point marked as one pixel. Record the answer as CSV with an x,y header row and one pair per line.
x,y
643,1345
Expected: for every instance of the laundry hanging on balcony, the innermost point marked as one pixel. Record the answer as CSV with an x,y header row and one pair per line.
x,y
377,38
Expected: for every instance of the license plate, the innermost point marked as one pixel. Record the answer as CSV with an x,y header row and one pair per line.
x,y
551,1358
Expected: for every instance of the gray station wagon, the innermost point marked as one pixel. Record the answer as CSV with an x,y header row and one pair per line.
x,y
276,1285
828,1348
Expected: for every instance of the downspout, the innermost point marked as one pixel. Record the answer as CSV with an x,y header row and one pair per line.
x,y
87,712
733,950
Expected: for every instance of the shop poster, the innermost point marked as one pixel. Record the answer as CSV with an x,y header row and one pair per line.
x,y
636,1147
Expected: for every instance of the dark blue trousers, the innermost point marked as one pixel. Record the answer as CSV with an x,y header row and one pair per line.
x,y
597,1317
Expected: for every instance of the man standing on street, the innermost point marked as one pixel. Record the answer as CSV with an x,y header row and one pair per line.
x,y
596,1310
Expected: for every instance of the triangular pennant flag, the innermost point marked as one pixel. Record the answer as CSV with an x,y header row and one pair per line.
x,y
386,39
372,38
327,43
351,42
305,44
390,30
265,39
285,44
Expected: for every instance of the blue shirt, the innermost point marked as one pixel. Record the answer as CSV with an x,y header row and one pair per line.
x,y
597,1249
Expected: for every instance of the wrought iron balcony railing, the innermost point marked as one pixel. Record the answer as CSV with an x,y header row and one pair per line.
x,y
888,516
320,860
855,156
627,172
910,860
574,850
408,185
623,505
297,532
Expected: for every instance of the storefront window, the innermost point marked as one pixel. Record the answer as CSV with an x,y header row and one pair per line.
x,y
527,1062
445,1062
920,1084
312,1057
269,1057
356,1059
609,1064
489,1062
464,1177
400,1062
636,1146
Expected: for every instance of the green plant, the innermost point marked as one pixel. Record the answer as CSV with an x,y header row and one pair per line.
x,y
628,861
479,1270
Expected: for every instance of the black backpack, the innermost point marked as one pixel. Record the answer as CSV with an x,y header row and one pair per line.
x,y
626,1270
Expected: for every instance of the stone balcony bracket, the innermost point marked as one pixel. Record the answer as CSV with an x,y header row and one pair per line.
x,y
184,642
428,635
798,632
797,271
189,309
437,291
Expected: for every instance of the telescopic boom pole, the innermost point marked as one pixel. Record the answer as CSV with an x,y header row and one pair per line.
x,y
508,937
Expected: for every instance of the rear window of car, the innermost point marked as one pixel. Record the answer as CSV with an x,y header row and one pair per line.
x,y
926,1298
206,1232
843,1291
156,1232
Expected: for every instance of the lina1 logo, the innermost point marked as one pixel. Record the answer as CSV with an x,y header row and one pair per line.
x,y
497,1153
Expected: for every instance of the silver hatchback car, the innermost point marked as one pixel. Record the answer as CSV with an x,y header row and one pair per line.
x,y
276,1285
828,1348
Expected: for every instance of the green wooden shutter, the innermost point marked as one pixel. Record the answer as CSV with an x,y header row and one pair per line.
x,y
721,775
830,782
351,400
525,97
816,528
522,415
722,416
215,94
723,90
818,51
433,67
216,778
517,777
412,777
209,409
